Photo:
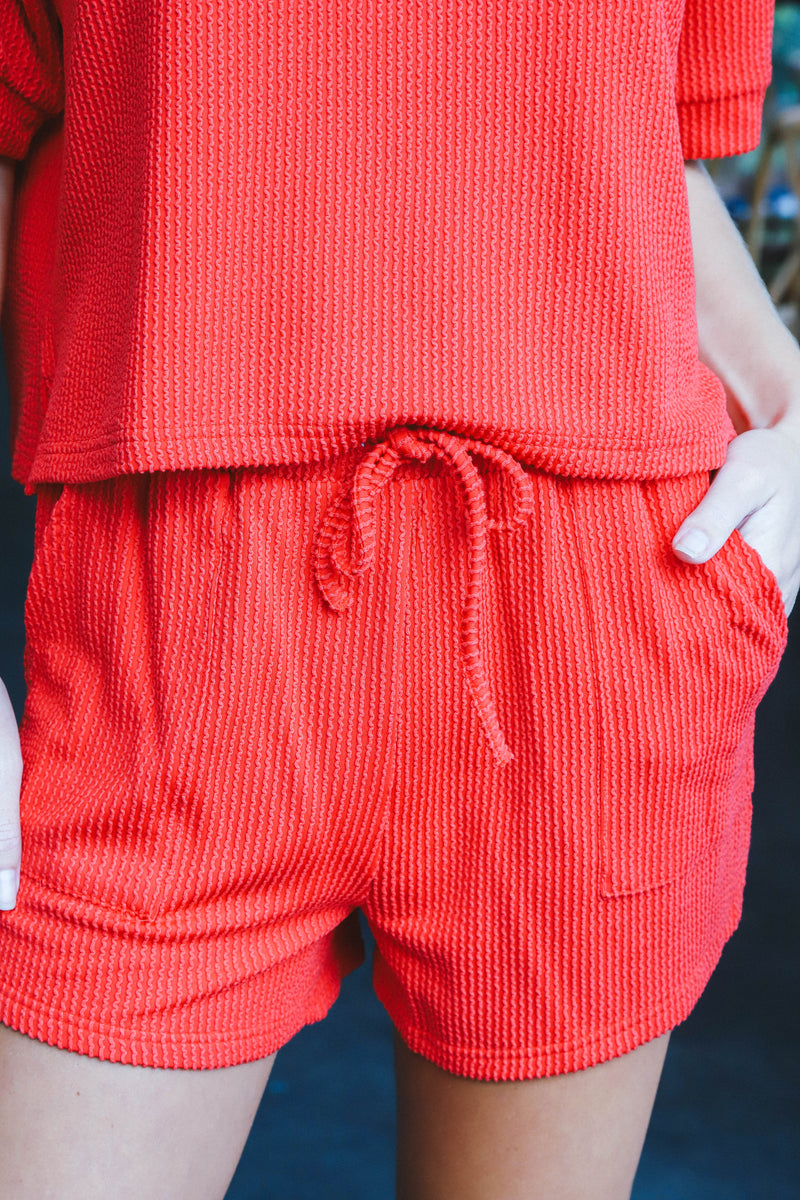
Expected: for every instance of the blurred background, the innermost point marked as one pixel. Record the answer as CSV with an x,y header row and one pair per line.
x,y
726,1124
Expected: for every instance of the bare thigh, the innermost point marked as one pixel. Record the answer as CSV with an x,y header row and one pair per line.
x,y
569,1137
78,1128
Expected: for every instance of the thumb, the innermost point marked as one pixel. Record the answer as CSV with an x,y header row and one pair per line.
x,y
710,524
10,779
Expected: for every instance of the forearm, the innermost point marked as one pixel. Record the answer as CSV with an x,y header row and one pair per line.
x,y
741,336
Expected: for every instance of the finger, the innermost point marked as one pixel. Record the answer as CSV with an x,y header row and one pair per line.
x,y
10,779
735,491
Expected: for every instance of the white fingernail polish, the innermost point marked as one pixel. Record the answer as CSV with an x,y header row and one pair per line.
x,y
8,889
693,542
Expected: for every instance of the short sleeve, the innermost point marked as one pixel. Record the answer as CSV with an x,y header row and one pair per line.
x,y
31,71
723,69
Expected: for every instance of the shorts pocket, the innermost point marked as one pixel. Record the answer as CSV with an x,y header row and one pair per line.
x,y
684,653
765,581
122,613
52,526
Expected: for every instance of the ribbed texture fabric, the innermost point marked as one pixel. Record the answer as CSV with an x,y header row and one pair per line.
x,y
268,232
220,764
720,76
31,71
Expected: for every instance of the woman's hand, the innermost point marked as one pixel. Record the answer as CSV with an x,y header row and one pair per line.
x,y
10,756
757,491
743,340
10,779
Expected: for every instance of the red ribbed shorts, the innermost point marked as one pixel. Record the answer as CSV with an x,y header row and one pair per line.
x,y
484,704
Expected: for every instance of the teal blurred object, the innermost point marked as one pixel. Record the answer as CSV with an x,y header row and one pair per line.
x,y
785,86
762,188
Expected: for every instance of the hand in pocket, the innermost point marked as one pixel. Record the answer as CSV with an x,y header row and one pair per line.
x,y
10,778
757,491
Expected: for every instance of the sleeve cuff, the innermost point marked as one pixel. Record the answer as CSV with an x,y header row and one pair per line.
x,y
19,121
722,126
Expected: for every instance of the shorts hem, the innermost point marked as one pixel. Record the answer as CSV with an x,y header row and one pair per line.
x,y
151,1049
561,1058
543,1062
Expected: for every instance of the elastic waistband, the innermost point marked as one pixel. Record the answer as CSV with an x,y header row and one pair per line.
x,y
345,543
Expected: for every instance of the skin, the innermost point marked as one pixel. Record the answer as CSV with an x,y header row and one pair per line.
x,y
78,1128
10,754
745,343
70,1124
570,1137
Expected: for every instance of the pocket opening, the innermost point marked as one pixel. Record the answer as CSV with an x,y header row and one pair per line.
x,y
687,654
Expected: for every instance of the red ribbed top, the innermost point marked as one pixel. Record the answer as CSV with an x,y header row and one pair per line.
x,y
258,232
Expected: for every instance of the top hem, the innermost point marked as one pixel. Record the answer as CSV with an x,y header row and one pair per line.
x,y
106,458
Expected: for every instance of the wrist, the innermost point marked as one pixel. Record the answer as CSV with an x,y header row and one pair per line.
x,y
789,424
762,384
785,421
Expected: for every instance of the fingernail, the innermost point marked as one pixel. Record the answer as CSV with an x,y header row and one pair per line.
x,y
693,542
8,888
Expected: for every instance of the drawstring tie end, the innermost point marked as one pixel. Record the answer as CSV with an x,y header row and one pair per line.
x,y
345,544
